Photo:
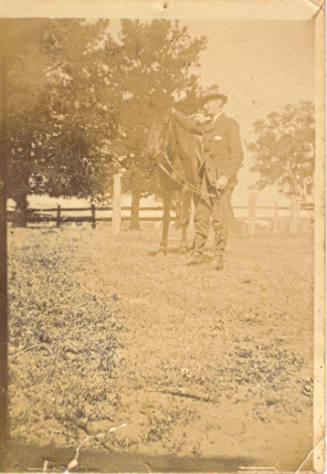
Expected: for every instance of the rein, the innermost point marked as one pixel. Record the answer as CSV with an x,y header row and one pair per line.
x,y
176,177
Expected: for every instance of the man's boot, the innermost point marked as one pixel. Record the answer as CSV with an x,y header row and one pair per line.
x,y
220,244
217,262
195,259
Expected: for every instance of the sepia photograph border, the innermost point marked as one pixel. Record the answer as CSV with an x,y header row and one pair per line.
x,y
217,9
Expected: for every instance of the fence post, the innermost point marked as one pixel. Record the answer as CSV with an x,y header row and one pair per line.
x,y
294,223
93,216
116,205
58,216
275,223
252,210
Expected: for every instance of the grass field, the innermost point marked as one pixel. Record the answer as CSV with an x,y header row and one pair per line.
x,y
207,369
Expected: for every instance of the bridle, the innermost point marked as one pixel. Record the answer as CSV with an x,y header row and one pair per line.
x,y
176,176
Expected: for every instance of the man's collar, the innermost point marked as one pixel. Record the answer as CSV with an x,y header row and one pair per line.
x,y
217,115
212,122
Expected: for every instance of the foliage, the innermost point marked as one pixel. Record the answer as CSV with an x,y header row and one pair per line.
x,y
81,104
58,112
76,98
284,149
46,328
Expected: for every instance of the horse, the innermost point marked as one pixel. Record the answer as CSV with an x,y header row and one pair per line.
x,y
178,155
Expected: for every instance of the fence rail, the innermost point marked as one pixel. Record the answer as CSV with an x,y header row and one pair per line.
x,y
252,220
303,207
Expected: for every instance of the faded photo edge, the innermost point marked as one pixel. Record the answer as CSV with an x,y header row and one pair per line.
x,y
318,451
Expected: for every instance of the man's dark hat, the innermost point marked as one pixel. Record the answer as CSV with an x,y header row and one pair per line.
x,y
213,96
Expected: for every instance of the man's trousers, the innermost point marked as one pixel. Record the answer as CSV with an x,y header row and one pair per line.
x,y
215,207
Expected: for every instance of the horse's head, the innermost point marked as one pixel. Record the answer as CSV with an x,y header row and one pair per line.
x,y
158,133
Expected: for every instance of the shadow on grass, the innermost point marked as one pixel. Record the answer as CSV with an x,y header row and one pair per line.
x,y
170,251
208,254
28,458
35,227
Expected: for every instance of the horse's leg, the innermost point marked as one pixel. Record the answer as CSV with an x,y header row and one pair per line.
x,y
165,222
193,204
178,213
185,218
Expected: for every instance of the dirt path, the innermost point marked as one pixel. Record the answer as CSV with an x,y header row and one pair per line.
x,y
209,365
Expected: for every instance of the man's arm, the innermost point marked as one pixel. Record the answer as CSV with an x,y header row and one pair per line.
x,y
185,122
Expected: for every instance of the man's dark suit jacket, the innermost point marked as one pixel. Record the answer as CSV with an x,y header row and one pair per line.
x,y
222,147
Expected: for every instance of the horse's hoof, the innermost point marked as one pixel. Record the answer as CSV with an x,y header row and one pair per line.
x,y
161,252
182,250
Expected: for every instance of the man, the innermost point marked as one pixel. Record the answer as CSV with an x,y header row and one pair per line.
x,y
222,157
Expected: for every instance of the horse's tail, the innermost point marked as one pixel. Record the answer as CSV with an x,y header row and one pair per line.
x,y
233,225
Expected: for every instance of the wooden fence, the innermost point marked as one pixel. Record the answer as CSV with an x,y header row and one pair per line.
x,y
291,222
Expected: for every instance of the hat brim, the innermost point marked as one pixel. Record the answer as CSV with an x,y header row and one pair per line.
x,y
214,96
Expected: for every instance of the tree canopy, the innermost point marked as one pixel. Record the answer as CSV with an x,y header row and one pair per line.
x,y
284,149
155,63
81,103
57,112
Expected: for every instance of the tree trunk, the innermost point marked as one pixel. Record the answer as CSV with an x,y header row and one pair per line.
x,y
135,221
20,214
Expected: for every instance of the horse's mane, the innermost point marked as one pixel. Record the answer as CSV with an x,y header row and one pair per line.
x,y
157,133
187,142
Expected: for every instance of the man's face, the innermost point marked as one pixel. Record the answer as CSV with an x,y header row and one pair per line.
x,y
213,107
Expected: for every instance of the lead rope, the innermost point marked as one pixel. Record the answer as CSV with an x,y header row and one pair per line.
x,y
180,180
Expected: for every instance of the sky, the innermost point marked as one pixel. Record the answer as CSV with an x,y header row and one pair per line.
x,y
260,65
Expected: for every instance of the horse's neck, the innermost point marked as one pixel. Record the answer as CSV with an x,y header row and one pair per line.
x,y
187,144
155,137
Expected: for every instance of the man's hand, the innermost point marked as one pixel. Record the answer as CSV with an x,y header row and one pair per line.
x,y
221,183
172,110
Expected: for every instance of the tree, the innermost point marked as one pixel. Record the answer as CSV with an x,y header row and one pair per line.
x,y
58,113
85,97
80,105
284,149
22,90
154,64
